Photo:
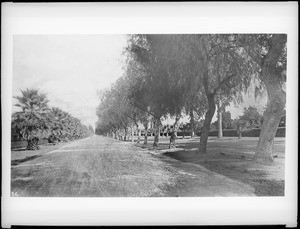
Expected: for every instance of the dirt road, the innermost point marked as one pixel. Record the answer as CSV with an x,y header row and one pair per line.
x,y
102,167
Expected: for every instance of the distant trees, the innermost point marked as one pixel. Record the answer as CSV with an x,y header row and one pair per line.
x,y
227,122
252,117
37,120
64,127
91,129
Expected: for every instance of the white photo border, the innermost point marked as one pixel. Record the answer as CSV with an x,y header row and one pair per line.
x,y
129,18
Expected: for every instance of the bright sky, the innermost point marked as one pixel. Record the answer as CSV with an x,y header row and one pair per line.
x,y
69,68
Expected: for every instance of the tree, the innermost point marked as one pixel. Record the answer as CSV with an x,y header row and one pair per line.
x,y
58,127
194,107
111,113
33,120
252,117
184,127
227,122
269,53
117,113
209,65
240,125
91,129
222,102
161,97
212,65
283,120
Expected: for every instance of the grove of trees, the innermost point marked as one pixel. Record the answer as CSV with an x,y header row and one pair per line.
x,y
195,75
37,120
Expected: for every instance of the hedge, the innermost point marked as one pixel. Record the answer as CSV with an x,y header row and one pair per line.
x,y
231,133
245,133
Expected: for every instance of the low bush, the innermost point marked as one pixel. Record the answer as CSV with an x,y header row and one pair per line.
x,y
246,133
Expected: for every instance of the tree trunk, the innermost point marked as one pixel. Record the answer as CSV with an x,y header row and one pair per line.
x,y
220,131
125,134
206,125
132,134
192,121
157,124
172,139
239,131
32,143
271,77
176,126
145,133
139,134
272,116
174,131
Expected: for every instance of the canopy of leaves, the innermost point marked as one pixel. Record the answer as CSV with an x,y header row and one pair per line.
x,y
37,120
178,70
257,47
251,117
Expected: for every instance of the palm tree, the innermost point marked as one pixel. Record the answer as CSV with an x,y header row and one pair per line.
x,y
34,120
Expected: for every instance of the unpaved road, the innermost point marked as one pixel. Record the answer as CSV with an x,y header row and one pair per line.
x,y
102,167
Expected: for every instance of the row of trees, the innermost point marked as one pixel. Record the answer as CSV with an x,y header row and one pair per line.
x,y
37,120
196,74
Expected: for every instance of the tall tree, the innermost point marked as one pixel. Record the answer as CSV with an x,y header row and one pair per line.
x,y
209,64
161,97
222,103
33,120
269,53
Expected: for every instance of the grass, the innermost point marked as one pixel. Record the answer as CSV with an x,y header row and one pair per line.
x,y
232,158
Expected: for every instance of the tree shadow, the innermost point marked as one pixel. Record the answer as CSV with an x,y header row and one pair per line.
x,y
19,161
19,149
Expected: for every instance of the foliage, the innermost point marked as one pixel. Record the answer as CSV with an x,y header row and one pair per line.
x,y
168,74
252,117
37,120
33,120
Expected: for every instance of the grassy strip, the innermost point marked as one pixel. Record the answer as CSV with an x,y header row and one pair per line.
x,y
232,158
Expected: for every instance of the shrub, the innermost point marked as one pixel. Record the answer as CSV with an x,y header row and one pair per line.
x,y
246,133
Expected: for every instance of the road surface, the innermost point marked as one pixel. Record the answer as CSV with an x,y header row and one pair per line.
x,y
103,167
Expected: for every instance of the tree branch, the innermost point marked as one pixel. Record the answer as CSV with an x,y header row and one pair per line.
x,y
226,79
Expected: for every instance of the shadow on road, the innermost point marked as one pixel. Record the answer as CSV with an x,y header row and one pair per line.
x,y
19,161
20,149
